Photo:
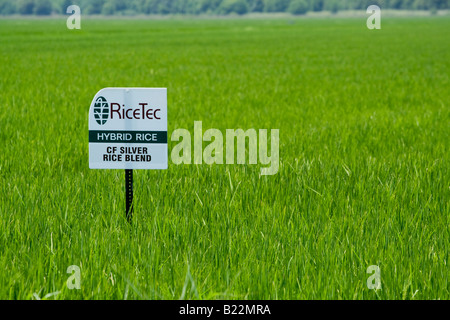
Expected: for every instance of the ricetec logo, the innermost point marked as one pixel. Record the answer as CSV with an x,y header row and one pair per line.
x,y
103,111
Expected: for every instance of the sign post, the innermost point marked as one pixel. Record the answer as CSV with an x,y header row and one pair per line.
x,y
128,130
129,193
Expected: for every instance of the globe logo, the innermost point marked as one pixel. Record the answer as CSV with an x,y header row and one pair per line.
x,y
101,110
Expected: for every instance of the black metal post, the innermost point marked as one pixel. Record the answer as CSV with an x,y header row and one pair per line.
x,y
129,193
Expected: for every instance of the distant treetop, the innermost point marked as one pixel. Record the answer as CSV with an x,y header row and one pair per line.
x,y
193,7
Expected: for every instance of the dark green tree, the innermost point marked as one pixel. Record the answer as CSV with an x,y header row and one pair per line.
x,y
233,6
257,6
108,8
7,7
298,7
94,7
276,5
25,6
317,5
43,7
64,5
332,5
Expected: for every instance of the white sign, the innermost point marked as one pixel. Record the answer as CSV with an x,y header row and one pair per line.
x,y
128,129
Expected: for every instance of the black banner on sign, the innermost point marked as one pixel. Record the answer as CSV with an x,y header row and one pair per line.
x,y
97,136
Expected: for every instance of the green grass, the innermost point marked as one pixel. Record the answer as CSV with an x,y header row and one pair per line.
x,y
364,120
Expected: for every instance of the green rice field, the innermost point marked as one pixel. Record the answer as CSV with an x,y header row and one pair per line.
x,y
364,126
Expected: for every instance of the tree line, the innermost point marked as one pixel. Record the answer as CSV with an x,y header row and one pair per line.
x,y
220,7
